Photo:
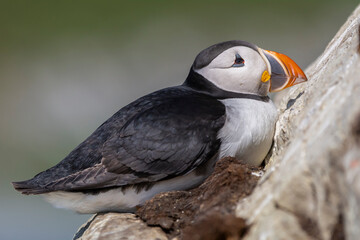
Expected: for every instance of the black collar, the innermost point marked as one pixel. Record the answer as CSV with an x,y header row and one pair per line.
x,y
201,84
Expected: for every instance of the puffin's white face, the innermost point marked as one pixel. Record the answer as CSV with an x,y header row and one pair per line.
x,y
238,69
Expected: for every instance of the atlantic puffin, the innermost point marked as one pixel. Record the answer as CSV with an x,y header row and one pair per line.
x,y
170,139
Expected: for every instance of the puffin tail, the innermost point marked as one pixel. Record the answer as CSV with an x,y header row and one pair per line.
x,y
27,187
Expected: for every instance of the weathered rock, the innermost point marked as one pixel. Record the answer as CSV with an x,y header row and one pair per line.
x,y
213,203
118,226
311,189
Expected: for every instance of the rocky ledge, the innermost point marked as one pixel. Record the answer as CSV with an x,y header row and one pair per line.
x,y
311,185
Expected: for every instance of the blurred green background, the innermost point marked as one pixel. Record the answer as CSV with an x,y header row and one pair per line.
x,y
66,66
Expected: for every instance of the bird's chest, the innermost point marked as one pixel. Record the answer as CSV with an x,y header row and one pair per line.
x,y
248,130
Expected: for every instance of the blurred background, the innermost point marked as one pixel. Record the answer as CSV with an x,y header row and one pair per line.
x,y
66,66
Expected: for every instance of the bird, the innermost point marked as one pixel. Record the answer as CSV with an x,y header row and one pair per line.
x,y
171,139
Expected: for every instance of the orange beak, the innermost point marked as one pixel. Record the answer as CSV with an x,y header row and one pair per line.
x,y
284,72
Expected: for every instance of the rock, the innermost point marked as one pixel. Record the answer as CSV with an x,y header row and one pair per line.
x,y
216,227
211,203
118,226
311,187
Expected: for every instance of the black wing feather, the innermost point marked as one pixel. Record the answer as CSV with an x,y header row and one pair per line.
x,y
161,135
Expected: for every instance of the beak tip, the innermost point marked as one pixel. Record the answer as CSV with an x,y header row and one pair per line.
x,y
298,81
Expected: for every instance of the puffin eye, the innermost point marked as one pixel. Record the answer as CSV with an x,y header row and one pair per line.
x,y
239,61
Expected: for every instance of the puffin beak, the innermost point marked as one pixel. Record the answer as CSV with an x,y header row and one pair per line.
x,y
284,72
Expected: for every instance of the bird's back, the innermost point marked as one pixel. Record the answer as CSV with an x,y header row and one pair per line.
x,y
90,153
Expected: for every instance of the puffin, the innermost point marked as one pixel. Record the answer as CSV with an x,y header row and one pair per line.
x,y
171,139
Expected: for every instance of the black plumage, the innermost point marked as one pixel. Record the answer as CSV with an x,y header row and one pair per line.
x,y
159,136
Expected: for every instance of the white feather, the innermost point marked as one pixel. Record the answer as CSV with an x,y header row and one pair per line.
x,y
249,129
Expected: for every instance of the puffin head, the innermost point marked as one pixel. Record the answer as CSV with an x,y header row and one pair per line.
x,y
242,67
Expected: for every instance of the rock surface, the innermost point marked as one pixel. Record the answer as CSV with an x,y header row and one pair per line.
x,y
311,188
118,226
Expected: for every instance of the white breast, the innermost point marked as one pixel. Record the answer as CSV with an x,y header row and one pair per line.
x,y
249,129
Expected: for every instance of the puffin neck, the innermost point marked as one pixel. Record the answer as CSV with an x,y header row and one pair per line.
x,y
201,84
